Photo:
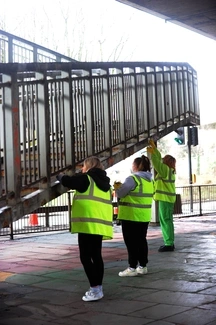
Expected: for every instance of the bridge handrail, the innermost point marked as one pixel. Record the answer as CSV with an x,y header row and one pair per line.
x,y
17,49
54,115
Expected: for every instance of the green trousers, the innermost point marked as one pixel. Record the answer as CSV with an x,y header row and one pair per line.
x,y
166,222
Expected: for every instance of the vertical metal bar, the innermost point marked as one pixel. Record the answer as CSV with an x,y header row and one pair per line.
x,y
95,114
190,92
194,90
11,228
61,159
56,130
200,200
43,136
47,223
138,116
155,100
185,88
68,121
107,112
134,108
75,111
167,97
29,127
34,133
35,54
180,91
175,96
146,93
12,138
89,116
190,173
114,114
52,122
69,209
10,50
153,118
121,105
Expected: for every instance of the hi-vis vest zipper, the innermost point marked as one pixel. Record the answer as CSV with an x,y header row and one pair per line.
x,y
92,212
136,205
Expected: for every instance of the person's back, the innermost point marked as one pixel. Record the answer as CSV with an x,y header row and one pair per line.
x,y
135,201
165,194
92,209
136,205
91,218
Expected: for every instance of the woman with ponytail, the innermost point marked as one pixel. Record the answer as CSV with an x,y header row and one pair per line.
x,y
135,201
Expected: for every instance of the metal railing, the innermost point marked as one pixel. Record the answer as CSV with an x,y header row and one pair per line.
x,y
16,49
193,200
53,216
55,113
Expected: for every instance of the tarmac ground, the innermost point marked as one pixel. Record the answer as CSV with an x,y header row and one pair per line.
x,y
42,280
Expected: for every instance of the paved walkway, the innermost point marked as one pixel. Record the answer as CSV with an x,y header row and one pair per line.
x,y
42,281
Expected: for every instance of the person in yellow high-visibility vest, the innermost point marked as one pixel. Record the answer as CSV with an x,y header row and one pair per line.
x,y
135,201
165,194
91,218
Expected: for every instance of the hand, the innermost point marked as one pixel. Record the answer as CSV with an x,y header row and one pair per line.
x,y
117,185
152,144
151,147
59,177
150,150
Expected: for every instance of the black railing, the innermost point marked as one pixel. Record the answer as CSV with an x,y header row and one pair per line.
x,y
196,200
16,49
55,112
54,115
55,215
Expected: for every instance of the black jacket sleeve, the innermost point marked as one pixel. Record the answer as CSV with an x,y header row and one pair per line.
x,y
79,182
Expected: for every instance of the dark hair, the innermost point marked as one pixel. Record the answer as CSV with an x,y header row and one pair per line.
x,y
142,163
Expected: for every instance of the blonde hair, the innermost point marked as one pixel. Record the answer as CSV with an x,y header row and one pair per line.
x,y
93,162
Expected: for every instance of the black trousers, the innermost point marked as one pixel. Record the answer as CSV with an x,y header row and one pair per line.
x,y
90,247
134,234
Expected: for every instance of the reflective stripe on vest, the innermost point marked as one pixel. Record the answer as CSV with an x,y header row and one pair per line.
x,y
170,177
92,211
163,192
83,219
90,196
140,210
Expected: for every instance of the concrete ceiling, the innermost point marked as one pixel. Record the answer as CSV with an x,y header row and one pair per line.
x,y
196,15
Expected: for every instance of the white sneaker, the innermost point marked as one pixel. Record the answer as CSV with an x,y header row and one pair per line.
x,y
128,272
100,288
93,296
141,270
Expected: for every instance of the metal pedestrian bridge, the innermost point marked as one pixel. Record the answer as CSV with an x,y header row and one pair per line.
x,y
55,114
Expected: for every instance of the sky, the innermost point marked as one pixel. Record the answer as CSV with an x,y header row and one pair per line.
x,y
95,28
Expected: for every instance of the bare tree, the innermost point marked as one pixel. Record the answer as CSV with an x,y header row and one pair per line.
x,y
72,28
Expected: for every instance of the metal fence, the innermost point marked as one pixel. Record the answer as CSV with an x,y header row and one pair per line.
x,y
194,200
53,216
16,49
54,115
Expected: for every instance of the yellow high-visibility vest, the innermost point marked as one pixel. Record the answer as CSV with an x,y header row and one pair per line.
x,y
165,187
92,212
136,205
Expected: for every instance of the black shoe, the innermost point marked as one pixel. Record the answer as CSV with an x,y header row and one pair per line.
x,y
165,248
